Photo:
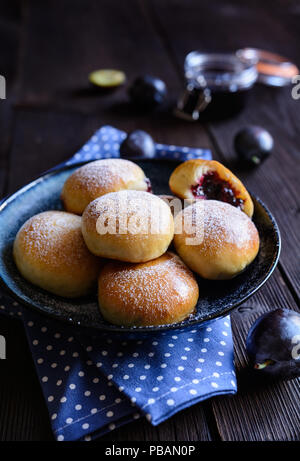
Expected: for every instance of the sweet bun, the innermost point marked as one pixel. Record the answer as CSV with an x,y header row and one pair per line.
x,y
99,178
50,252
131,226
210,180
215,239
157,292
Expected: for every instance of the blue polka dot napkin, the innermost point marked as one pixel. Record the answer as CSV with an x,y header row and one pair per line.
x,y
94,384
105,143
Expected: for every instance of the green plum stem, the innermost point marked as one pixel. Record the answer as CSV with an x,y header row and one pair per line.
x,y
261,366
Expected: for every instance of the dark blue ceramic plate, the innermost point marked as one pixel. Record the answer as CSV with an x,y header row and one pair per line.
x,y
216,298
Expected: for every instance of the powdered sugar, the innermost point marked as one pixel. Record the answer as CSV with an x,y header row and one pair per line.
x,y
107,174
220,223
54,237
131,212
158,284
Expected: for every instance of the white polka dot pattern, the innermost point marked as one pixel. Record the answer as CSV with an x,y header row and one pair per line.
x,y
105,143
77,387
93,385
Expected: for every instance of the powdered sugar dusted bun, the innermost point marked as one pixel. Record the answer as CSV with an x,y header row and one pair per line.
x,y
215,239
158,292
50,252
98,178
131,226
210,180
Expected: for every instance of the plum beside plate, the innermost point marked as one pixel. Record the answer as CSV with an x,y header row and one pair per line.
x,y
217,298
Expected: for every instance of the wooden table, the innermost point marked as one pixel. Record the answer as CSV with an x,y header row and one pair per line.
x,y
47,50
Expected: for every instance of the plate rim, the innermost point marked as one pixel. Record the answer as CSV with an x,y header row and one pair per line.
x,y
111,328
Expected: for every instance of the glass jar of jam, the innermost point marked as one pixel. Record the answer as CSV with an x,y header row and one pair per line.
x,y
217,85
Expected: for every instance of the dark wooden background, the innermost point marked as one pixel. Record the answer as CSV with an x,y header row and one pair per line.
x,y
47,49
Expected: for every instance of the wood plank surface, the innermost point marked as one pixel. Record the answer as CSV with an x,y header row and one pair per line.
x,y
269,412
23,414
52,111
274,109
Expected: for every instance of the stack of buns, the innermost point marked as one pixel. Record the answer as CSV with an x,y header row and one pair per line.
x,y
117,233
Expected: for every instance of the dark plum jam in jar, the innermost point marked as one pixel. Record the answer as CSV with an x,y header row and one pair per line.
x,y
217,85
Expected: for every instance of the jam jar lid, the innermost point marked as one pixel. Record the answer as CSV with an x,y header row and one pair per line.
x,y
220,71
273,69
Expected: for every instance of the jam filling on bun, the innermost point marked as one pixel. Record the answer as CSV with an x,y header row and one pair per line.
x,y
211,187
149,186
